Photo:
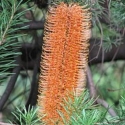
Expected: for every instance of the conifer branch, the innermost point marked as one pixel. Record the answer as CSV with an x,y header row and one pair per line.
x,y
9,87
8,24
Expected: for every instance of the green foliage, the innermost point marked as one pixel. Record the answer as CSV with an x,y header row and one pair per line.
x,y
9,19
26,117
121,112
108,37
108,34
84,111
118,13
120,118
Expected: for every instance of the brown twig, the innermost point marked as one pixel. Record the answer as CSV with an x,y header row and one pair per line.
x,y
10,86
34,84
32,25
93,93
91,85
106,105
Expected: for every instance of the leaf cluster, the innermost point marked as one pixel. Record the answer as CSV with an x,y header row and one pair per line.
x,y
9,34
25,116
84,112
118,13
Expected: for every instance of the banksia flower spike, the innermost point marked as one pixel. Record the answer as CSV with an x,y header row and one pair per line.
x,y
64,58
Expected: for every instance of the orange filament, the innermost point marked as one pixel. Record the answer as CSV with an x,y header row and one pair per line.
x,y
64,59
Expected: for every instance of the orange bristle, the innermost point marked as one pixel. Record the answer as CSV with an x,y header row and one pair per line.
x,y
64,59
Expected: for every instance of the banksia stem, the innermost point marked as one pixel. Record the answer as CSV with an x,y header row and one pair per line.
x,y
64,58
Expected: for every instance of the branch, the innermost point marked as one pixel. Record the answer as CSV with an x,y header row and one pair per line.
x,y
9,87
93,93
106,105
91,85
32,25
116,53
34,84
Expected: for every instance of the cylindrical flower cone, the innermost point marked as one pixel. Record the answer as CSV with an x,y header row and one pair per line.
x,y
64,59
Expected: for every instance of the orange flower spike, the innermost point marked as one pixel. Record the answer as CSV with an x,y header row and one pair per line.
x,y
64,59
